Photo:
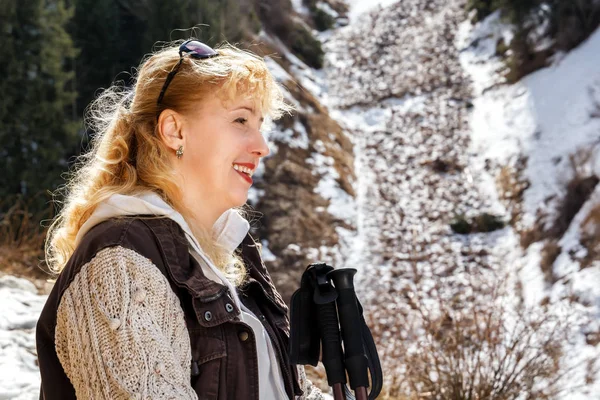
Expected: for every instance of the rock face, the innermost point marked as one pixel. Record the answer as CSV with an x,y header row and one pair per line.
x,y
295,215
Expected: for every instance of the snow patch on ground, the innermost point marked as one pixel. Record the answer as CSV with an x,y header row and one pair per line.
x,y
295,137
299,7
266,253
360,7
20,307
341,204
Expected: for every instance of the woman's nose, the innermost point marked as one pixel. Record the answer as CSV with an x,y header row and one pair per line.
x,y
259,145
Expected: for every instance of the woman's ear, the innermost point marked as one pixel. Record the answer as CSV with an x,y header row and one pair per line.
x,y
169,129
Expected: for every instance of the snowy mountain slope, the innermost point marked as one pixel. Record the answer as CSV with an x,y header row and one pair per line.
x,y
547,117
550,119
403,83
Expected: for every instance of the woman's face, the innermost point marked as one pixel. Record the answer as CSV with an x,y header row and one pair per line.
x,y
216,136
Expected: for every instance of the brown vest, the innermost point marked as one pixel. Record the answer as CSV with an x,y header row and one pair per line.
x,y
224,360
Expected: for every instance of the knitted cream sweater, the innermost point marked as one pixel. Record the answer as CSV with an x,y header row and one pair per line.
x,y
121,332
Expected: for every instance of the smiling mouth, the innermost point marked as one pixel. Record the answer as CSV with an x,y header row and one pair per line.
x,y
244,175
244,169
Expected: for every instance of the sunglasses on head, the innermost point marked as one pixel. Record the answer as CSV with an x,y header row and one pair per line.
x,y
195,49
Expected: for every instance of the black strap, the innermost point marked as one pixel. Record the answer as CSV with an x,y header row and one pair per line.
x,y
372,358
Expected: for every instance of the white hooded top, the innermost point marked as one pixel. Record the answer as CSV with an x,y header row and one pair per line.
x,y
230,229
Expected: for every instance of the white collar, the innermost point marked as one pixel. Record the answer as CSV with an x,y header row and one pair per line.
x,y
230,229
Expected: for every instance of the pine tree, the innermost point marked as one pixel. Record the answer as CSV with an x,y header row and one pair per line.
x,y
109,43
36,129
114,36
167,21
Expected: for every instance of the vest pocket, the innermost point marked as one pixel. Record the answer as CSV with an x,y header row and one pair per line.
x,y
207,354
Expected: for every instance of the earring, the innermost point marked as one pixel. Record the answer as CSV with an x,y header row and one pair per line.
x,y
179,152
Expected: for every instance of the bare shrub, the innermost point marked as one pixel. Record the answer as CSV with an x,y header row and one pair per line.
x,y
484,355
318,376
512,185
483,222
523,59
444,165
478,347
578,192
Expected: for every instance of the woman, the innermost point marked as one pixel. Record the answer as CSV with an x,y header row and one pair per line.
x,y
162,292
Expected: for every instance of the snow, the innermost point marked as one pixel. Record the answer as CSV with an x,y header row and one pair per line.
x,y
277,70
299,7
20,306
266,253
341,204
547,115
396,220
359,7
532,275
295,137
282,76
254,195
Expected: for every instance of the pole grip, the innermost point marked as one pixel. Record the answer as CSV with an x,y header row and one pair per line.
x,y
331,344
349,315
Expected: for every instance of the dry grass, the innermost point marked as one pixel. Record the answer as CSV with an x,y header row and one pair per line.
x,y
22,238
550,253
512,186
590,236
317,376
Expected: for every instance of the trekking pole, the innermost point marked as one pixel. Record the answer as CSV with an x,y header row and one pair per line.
x,y
355,358
318,299
332,358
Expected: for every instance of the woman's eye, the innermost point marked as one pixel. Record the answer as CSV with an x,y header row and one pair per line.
x,y
242,120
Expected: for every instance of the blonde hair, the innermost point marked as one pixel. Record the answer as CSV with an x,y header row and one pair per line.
x,y
127,155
